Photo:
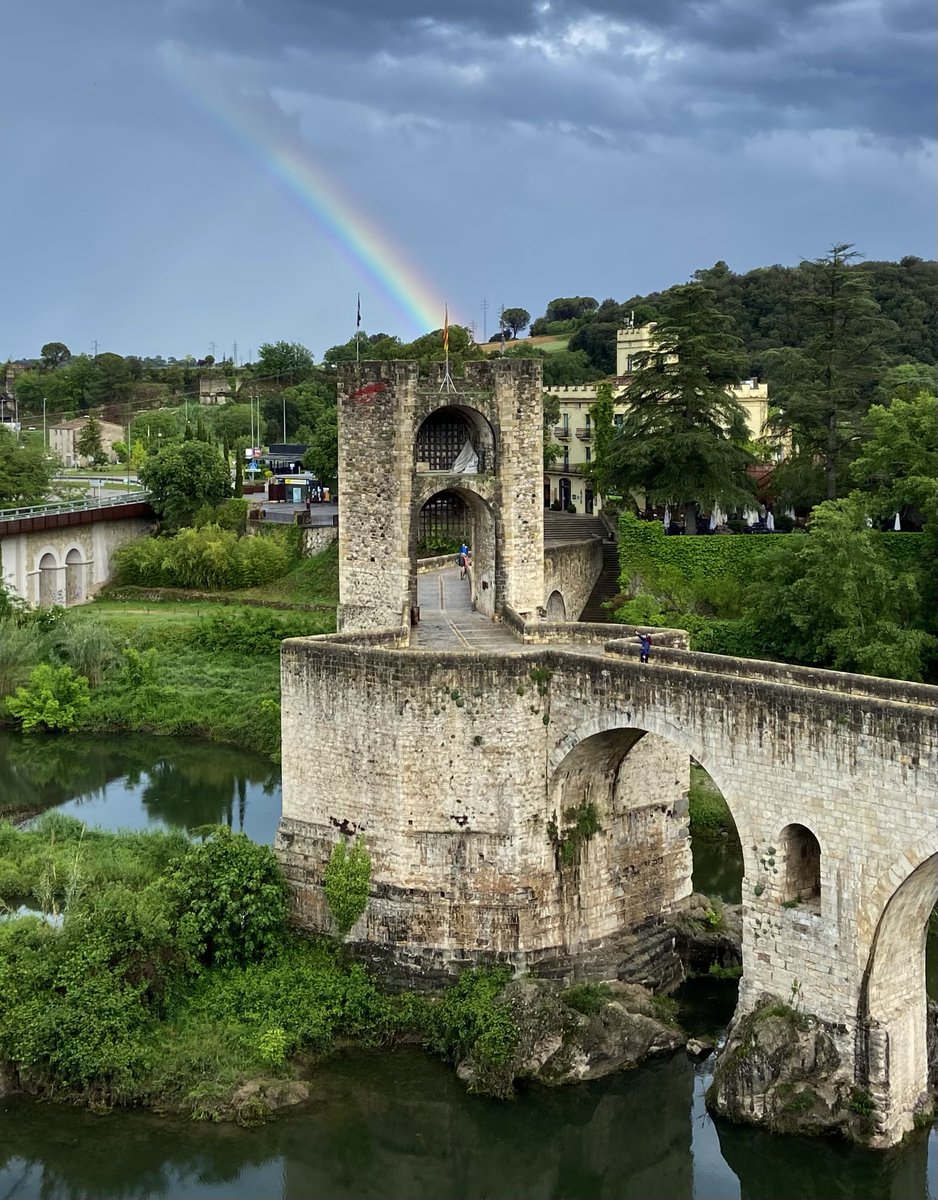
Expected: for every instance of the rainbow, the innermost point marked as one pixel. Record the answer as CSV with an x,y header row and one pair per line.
x,y
262,129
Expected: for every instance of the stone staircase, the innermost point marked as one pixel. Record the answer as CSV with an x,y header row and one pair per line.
x,y
571,527
606,586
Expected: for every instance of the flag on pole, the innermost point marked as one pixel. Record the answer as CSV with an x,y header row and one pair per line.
x,y
358,313
446,329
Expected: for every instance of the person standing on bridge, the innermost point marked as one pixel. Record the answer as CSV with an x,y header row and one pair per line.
x,y
644,640
466,564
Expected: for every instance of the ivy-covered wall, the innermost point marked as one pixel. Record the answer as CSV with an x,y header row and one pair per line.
x,y
644,546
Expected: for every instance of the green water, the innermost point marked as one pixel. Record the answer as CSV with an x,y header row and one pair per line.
x,y
396,1125
138,782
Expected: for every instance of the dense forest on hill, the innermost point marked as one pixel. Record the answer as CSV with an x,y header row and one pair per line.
x,y
766,308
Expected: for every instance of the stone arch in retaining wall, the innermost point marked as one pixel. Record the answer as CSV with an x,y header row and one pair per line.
x,y
75,573
50,590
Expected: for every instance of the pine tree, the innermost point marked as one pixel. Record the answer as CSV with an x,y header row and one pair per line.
x,y
821,390
683,439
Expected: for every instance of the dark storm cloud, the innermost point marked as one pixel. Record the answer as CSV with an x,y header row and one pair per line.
x,y
718,68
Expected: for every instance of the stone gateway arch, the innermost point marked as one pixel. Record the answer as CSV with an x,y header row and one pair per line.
x,y
528,803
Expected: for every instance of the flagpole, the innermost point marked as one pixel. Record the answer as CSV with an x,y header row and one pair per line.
x,y
358,324
447,384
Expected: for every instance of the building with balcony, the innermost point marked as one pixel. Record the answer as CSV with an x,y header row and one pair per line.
x,y
565,481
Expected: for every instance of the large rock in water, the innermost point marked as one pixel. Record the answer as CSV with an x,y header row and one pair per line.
x,y
558,1045
788,1071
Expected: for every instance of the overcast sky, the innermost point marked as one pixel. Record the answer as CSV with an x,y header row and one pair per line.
x,y
500,151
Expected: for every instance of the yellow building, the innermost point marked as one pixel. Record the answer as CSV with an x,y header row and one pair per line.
x,y
564,481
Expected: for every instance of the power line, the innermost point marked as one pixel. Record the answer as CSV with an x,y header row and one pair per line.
x,y
485,317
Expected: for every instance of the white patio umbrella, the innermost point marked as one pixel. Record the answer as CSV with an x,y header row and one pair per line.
x,y
770,522
897,524
751,516
667,517
713,522
718,516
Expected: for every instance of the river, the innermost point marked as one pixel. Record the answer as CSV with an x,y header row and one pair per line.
x,y
396,1125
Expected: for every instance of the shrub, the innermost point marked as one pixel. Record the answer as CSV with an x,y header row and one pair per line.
x,y
469,1019
54,699
346,883
140,564
231,897
587,998
248,631
260,560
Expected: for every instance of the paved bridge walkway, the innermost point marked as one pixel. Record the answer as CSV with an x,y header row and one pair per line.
x,y
447,621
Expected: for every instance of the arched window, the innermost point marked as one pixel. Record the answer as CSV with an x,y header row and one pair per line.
x,y
800,854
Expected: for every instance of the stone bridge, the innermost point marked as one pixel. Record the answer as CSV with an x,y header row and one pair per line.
x,y
61,553
521,781
468,772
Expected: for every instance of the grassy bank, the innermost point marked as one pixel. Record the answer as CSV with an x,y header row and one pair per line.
x,y
207,669
161,973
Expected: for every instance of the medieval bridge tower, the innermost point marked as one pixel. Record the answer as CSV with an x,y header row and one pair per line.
x,y
415,457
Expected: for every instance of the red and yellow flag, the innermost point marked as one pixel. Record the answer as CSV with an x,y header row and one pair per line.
x,y
446,329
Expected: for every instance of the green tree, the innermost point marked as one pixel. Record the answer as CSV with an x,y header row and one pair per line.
x,y
513,320
821,390
322,457
898,461
906,381
286,362
682,441
26,472
156,428
833,599
346,882
183,476
54,354
88,444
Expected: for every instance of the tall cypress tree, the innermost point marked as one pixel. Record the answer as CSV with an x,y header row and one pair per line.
x,y
821,390
683,441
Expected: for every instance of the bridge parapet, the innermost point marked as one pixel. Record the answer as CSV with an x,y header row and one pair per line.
x,y
898,691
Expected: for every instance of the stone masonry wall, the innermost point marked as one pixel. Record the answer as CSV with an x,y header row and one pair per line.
x,y
572,568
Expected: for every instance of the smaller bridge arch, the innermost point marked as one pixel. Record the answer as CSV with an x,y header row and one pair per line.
x,y
798,856
556,608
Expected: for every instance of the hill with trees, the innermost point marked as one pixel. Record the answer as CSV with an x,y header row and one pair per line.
x,y
765,308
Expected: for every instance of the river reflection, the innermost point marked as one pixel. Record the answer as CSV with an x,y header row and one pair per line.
x,y
138,782
398,1126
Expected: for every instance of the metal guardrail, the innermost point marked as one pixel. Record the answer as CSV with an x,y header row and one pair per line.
x,y
68,506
